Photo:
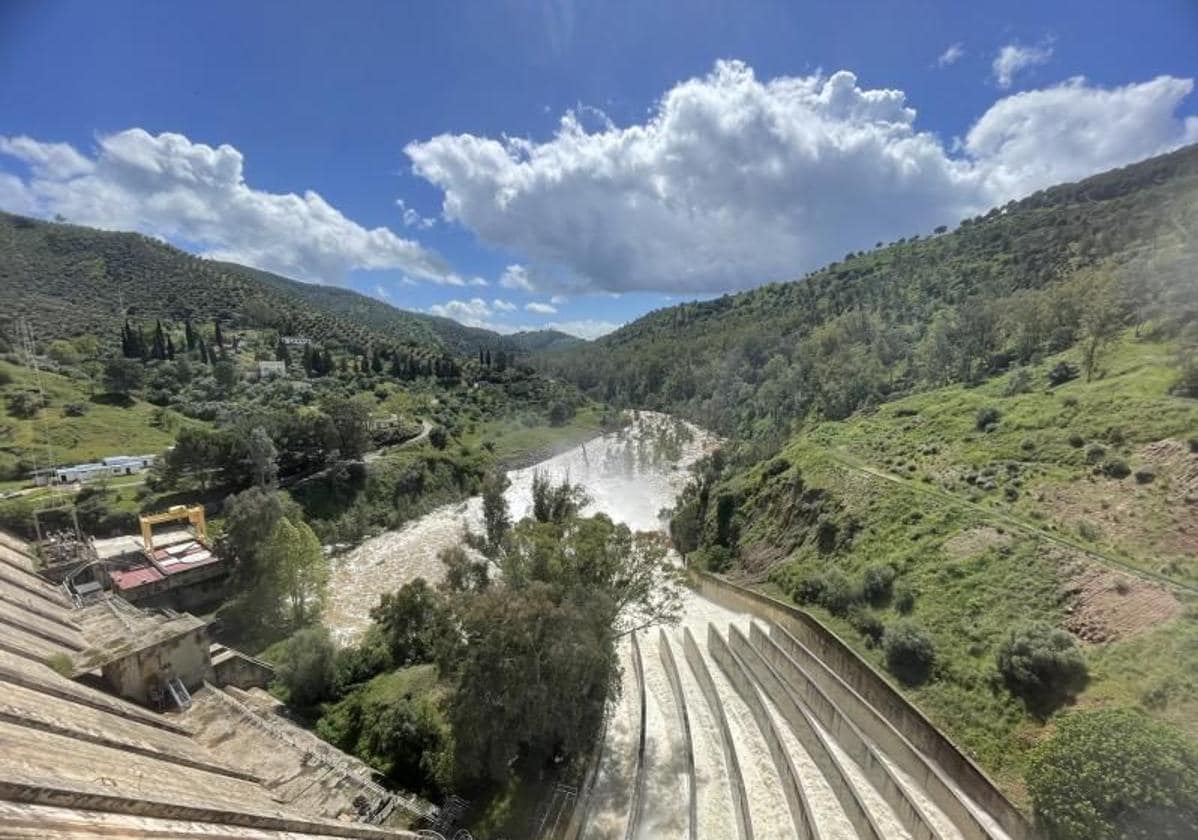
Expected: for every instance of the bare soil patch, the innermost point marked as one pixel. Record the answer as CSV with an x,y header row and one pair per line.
x,y
1105,605
974,541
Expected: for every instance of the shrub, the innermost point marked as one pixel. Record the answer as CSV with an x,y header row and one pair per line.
x,y
876,583
712,558
1194,445
1114,774
1116,468
839,593
987,418
75,409
1062,372
1076,440
307,669
1145,475
867,624
910,654
24,404
438,437
1095,453
809,589
1027,444
1019,382
1043,666
904,597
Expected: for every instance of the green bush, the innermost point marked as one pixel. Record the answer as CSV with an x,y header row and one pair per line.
x,y
1095,453
987,418
1062,372
75,409
1116,468
1076,440
1043,666
910,654
1145,475
1114,774
877,583
867,624
712,558
904,598
307,667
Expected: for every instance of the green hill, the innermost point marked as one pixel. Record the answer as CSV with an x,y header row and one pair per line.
x,y
67,280
860,331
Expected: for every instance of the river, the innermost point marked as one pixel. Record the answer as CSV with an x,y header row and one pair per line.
x,y
630,475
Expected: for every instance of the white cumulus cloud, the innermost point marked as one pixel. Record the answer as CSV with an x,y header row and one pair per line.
x,y
516,277
541,308
413,219
733,181
503,305
1012,58
951,55
165,185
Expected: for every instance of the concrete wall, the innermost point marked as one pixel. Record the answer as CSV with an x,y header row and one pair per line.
x,y
846,734
813,740
184,656
245,672
638,786
874,726
874,688
736,781
796,798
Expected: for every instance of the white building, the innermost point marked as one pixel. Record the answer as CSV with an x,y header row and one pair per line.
x,y
268,369
114,465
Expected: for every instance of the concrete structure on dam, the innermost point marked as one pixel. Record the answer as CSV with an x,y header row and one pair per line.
x,y
112,723
752,720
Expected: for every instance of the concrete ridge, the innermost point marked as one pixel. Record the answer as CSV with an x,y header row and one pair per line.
x,y
31,607
847,735
667,660
855,671
638,785
276,731
736,780
34,585
41,632
109,705
42,791
871,722
741,680
814,741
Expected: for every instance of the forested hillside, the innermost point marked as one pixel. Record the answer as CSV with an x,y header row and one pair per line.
x,y
68,281
1065,264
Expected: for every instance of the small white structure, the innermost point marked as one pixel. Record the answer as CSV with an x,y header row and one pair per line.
x,y
295,340
268,369
112,466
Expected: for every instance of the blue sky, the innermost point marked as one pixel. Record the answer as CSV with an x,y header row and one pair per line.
x,y
568,163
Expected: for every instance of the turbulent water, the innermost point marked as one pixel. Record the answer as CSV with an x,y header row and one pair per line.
x,y
629,475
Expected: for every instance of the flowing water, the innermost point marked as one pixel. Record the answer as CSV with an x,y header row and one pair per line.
x,y
629,475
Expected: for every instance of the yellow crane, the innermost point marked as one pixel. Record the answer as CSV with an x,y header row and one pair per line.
x,y
194,515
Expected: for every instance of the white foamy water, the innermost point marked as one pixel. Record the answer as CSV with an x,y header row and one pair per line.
x,y
665,812
625,474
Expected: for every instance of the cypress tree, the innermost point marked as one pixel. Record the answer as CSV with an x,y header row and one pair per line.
x,y
189,336
203,350
220,337
170,347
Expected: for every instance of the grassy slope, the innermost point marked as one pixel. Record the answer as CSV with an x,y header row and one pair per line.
x,y
974,588
105,430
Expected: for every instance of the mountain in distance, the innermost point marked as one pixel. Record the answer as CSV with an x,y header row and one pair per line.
x,y
68,280
856,332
